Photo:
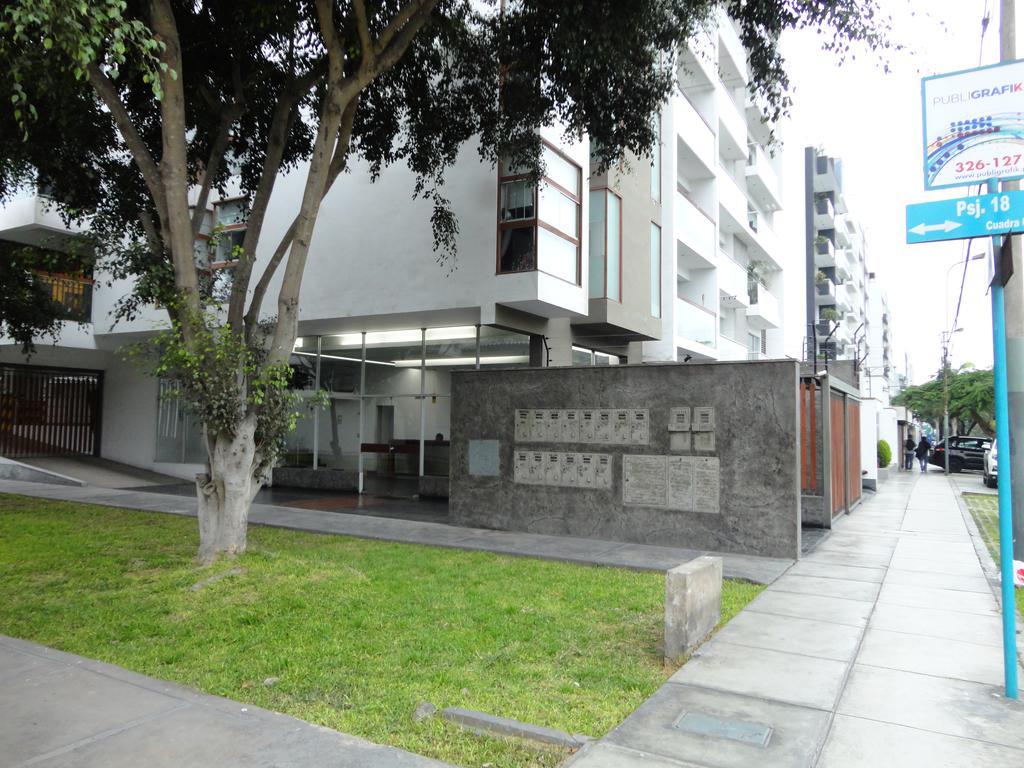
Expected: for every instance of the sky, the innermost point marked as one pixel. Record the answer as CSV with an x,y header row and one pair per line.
x,y
871,120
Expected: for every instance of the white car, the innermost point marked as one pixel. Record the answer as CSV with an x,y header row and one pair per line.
x,y
991,471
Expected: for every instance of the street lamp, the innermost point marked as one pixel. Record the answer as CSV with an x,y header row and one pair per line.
x,y
972,257
946,336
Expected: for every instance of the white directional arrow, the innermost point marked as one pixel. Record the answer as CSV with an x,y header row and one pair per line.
x,y
946,226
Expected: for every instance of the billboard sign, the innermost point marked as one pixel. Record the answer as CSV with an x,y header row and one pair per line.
x,y
973,125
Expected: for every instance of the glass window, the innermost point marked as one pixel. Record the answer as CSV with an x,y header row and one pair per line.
x,y
517,250
561,171
605,247
229,245
556,255
232,212
596,232
613,278
655,270
656,160
517,200
559,210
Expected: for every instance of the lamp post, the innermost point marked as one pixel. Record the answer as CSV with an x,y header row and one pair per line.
x,y
946,336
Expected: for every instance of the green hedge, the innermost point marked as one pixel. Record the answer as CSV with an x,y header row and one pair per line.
x,y
884,453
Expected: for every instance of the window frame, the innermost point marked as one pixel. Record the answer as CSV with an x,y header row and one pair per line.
x,y
535,223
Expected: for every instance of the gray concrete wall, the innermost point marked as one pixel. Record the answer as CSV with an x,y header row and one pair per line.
x,y
756,443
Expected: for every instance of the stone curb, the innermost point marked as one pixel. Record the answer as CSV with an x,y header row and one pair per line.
x,y
482,723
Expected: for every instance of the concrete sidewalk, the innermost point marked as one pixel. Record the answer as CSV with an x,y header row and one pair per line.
x,y
762,570
881,648
63,711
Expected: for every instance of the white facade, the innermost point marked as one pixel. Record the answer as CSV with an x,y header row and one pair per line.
x,y
382,323
837,287
723,261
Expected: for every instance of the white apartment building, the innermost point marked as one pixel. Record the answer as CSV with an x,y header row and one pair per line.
x,y
837,273
659,259
723,265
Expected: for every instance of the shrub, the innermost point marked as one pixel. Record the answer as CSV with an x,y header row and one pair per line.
x,y
884,453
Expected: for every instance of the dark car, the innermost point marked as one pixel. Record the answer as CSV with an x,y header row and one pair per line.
x,y
964,453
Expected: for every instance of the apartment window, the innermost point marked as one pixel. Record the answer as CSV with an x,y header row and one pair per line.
x,y
223,247
656,160
605,245
539,224
517,201
655,270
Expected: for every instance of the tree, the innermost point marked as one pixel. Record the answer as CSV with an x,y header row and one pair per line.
x,y
971,399
173,98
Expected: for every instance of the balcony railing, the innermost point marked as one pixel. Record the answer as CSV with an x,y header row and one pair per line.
x,y
761,176
695,323
694,228
824,253
763,311
72,294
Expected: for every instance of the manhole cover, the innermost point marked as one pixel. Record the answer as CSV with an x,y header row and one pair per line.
x,y
757,734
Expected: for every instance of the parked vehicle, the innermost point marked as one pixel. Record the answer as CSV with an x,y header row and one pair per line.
x,y
964,453
991,476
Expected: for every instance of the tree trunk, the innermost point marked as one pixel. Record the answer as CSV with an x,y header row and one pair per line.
x,y
227,491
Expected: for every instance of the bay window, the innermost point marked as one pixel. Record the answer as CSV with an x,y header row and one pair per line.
x,y
539,224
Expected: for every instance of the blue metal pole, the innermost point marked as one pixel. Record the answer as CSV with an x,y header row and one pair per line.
x,y
1005,497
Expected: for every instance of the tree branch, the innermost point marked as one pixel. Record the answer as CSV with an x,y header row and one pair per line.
x,y
338,163
229,114
363,28
403,16
174,164
104,87
400,39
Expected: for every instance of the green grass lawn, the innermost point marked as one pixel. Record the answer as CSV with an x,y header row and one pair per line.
x,y
984,509
357,632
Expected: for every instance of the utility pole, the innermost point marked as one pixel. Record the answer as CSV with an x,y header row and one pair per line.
x,y
1005,426
945,399
1013,295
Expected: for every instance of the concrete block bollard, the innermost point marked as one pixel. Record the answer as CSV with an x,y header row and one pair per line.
x,y
693,604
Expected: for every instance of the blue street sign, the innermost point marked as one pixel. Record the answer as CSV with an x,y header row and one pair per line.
x,y
965,217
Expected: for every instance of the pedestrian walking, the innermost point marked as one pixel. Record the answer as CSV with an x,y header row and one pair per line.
x,y
908,453
923,449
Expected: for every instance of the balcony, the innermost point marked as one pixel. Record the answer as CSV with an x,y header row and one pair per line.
x,y
730,349
826,177
732,202
698,63
695,141
824,214
732,122
695,324
762,181
842,236
695,233
824,253
732,57
72,295
31,218
824,292
763,311
757,126
732,282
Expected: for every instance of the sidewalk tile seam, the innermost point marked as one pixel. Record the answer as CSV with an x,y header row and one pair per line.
x,y
931,731
776,588
745,695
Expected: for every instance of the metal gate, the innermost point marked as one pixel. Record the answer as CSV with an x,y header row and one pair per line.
x,y
49,411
